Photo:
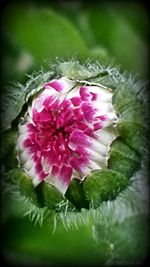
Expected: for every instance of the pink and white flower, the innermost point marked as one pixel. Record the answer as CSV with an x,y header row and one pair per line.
x,y
67,132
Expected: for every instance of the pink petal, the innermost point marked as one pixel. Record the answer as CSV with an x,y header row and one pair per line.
x,y
89,111
76,100
57,85
85,94
60,177
79,138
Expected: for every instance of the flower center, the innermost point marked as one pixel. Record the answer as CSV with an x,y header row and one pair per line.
x,y
61,132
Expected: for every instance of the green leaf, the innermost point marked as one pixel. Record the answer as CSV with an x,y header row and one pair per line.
x,y
113,30
104,185
135,18
100,54
12,101
43,33
123,159
15,61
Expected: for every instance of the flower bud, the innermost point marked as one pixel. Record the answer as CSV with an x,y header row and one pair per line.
x,y
67,132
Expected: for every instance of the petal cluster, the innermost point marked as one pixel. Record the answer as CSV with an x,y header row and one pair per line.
x,y
67,132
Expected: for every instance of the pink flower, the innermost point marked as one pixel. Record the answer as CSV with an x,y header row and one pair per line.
x,y
67,132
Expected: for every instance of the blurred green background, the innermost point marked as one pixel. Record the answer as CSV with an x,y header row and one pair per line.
x,y
35,34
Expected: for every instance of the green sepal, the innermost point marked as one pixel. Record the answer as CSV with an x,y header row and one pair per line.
x,y
133,134
124,97
44,195
123,159
50,197
16,95
74,70
133,125
104,185
89,73
76,194
8,152
23,185
36,82
136,113
8,139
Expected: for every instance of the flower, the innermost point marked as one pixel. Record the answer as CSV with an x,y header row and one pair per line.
x,y
67,132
